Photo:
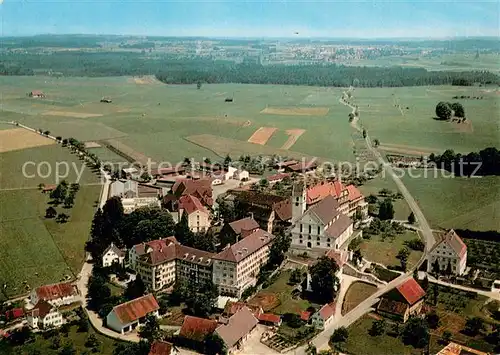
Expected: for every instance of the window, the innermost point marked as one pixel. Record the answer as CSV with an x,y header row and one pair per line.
x,y
317,243
319,230
300,241
328,240
310,228
318,239
309,237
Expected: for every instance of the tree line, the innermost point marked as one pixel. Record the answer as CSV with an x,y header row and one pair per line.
x,y
482,163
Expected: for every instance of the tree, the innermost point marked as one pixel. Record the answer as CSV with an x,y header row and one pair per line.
x,y
55,343
446,337
91,341
98,291
145,177
41,186
376,142
68,201
432,319
311,349
386,210
339,335
227,161
436,268
280,246
372,199
68,349
201,298
324,283
474,326
207,161
458,109
198,85
385,192
182,231
357,257
448,268
416,332
214,345
443,110
295,276
358,215
411,218
151,329
351,117
403,255
364,133
135,289
46,133
50,212
263,183
378,327
62,218
60,192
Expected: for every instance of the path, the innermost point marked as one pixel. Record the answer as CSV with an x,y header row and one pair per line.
x,y
493,295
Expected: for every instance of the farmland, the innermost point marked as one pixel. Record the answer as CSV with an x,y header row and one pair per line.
x,y
32,248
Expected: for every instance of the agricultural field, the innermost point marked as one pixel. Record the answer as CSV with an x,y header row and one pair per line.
x,y
357,293
35,250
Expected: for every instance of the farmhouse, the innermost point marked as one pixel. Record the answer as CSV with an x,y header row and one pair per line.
x,y
302,167
320,227
272,179
194,330
323,317
129,315
113,255
450,253
43,316
270,319
238,328
234,231
236,267
55,294
36,94
272,212
403,301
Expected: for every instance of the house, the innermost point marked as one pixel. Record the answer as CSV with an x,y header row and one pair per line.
x,y
124,189
48,188
106,100
238,328
319,227
131,204
113,255
43,316
36,94
282,165
165,172
194,330
237,266
225,174
269,319
302,167
272,212
403,301
234,231
200,188
241,175
323,317
130,172
272,179
340,257
55,294
14,314
162,348
198,216
450,251
129,315
161,262
457,349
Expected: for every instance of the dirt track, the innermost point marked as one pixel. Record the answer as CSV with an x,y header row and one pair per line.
x,y
296,111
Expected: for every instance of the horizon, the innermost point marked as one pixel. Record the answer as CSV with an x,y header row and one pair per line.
x,y
403,19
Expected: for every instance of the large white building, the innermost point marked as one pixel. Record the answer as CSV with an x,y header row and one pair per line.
x,y
112,255
321,226
56,294
43,316
198,216
236,267
450,250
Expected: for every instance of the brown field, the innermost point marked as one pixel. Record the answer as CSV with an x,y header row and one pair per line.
x,y
267,301
145,80
405,149
296,111
20,138
294,135
262,135
92,145
465,127
71,114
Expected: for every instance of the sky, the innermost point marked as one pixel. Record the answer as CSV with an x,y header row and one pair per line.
x,y
256,19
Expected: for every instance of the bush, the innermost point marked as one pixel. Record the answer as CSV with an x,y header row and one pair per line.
x,y
292,320
248,292
415,244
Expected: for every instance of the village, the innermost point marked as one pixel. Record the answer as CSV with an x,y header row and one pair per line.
x,y
269,266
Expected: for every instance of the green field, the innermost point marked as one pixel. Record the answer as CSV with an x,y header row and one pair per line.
x,y
32,248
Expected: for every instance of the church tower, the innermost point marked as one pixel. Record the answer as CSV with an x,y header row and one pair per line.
x,y
299,200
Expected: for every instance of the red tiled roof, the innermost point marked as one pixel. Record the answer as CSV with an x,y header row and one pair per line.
x,y
455,242
318,192
305,315
191,204
132,310
157,244
277,177
354,193
233,307
326,312
36,92
411,291
49,188
238,326
340,257
246,246
160,348
283,210
197,329
174,250
56,291
247,223
269,317
392,306
14,313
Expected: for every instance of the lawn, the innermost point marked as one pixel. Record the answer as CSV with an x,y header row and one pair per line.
x,y
384,250
44,346
280,294
357,293
38,250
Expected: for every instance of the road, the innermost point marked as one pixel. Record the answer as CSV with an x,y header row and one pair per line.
x,y
493,295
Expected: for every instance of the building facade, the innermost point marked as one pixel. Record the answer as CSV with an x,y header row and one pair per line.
x,y
449,253
43,316
129,315
113,255
236,267
56,294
